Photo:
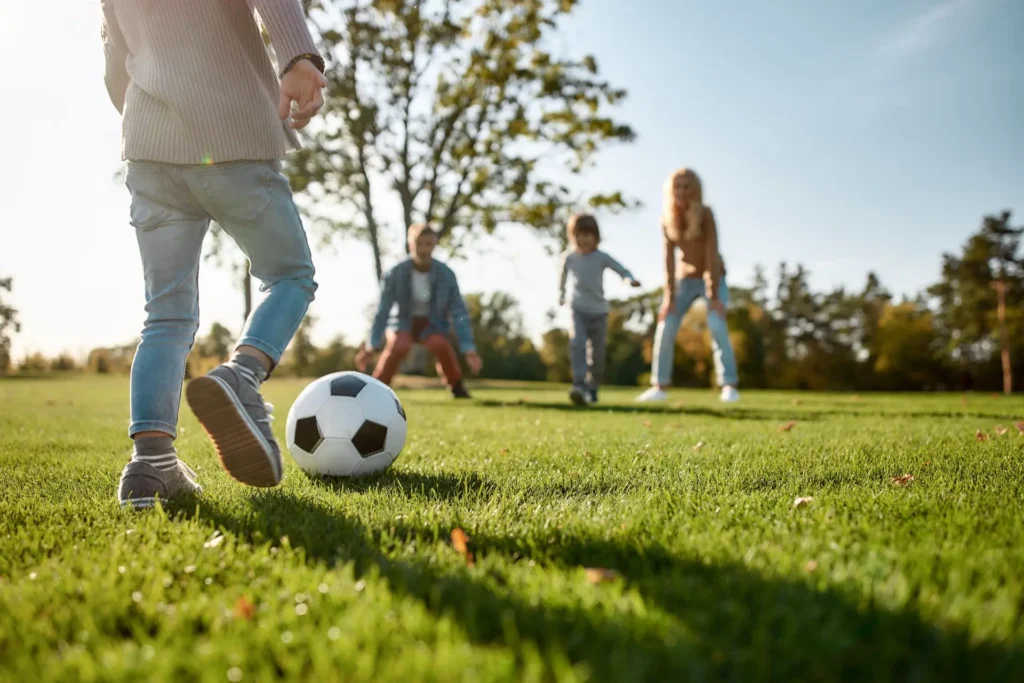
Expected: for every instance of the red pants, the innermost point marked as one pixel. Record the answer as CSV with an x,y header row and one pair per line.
x,y
398,347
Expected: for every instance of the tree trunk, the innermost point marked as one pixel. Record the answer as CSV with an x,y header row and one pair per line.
x,y
1004,335
246,291
375,246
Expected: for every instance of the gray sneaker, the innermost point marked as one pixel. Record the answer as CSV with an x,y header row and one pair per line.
x,y
141,484
237,420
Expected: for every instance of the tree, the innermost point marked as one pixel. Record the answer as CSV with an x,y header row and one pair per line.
x,y
498,331
967,303
455,108
217,344
302,352
906,349
9,325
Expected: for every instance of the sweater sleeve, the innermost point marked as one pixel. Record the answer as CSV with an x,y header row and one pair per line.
x,y
610,262
289,33
384,306
460,318
115,52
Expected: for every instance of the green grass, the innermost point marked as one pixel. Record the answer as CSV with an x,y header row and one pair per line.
x,y
721,578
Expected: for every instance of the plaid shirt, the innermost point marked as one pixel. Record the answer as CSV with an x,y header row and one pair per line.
x,y
447,309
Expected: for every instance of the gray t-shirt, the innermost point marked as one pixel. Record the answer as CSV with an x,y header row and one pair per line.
x,y
586,272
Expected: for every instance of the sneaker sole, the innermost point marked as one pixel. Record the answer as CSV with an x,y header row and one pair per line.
x,y
139,503
244,453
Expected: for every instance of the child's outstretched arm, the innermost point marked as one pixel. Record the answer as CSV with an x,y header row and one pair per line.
x,y
610,262
115,52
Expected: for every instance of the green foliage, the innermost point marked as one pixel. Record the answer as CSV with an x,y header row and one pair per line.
x,y
500,339
720,577
965,300
9,325
458,109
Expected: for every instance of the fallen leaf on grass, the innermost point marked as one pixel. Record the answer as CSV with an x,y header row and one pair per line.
x,y
700,445
244,609
647,423
904,480
1001,430
802,500
600,575
981,436
215,540
810,566
460,541
788,427
1020,427
503,451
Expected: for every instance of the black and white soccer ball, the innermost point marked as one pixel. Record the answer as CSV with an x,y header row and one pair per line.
x,y
346,424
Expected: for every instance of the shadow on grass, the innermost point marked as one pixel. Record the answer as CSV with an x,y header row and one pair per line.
x,y
802,413
697,621
446,486
656,409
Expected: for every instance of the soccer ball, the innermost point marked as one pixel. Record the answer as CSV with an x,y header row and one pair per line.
x,y
346,424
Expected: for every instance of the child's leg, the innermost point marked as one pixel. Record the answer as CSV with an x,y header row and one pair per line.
x,y
687,292
597,334
253,203
170,228
725,360
578,349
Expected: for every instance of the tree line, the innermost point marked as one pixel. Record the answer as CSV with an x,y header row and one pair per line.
x,y
961,333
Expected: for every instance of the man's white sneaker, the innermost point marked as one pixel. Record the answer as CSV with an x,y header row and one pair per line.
x,y
730,395
651,395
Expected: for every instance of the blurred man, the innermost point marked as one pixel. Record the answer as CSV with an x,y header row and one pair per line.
x,y
429,303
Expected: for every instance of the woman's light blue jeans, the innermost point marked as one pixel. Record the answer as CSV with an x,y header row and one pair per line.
x,y
171,210
688,291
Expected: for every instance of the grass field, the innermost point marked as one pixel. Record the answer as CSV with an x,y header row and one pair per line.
x,y
713,573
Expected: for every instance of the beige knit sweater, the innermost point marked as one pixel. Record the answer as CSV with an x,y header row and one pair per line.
x,y
193,80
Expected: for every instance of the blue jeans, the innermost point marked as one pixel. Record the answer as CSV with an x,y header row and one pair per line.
x,y
171,210
688,291
587,342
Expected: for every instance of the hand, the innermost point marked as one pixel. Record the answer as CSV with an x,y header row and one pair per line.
x,y
474,362
667,305
716,306
302,85
363,358
635,283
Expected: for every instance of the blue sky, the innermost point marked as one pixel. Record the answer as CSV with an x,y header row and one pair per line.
x,y
848,136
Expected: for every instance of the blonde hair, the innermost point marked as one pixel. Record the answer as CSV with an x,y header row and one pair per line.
x,y
693,222
416,230
582,222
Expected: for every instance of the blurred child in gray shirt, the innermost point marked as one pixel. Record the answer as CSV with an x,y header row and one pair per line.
x,y
584,264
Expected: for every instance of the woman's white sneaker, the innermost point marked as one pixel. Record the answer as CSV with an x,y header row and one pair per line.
x,y
651,395
730,395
